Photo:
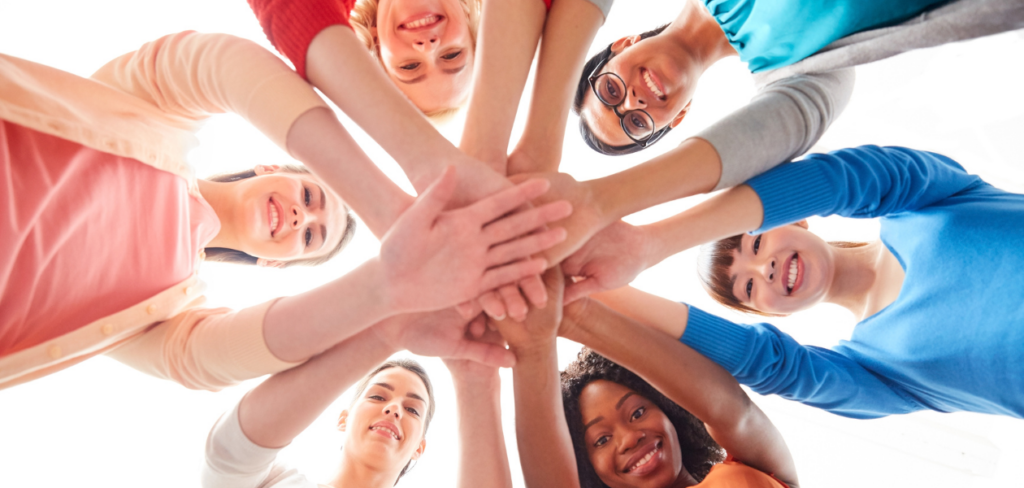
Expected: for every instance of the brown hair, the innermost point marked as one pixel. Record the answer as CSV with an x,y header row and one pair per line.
x,y
699,450
411,366
713,265
226,255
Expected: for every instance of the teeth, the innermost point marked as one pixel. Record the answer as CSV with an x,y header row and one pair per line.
x,y
792,274
273,218
652,85
644,460
430,19
384,429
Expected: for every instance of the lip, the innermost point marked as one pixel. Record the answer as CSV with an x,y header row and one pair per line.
x,y
657,82
799,272
280,216
387,425
420,16
651,465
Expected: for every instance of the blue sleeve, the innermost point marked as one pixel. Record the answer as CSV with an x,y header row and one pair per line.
x,y
867,181
771,362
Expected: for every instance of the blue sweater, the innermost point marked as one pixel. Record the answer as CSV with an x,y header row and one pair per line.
x,y
954,338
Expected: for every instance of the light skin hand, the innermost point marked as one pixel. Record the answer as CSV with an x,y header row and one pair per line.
x,y
609,260
540,328
446,335
469,250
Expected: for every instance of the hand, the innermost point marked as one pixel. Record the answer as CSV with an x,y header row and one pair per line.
x,y
609,260
541,325
434,259
587,216
474,373
446,335
525,160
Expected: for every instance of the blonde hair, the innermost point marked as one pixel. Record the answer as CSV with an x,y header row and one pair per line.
x,y
364,17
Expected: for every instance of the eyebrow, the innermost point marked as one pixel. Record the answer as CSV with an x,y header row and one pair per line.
x,y
617,406
410,395
323,209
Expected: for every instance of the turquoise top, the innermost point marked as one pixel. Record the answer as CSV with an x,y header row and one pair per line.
x,y
770,34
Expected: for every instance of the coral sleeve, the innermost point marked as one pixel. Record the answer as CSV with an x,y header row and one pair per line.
x,y
291,25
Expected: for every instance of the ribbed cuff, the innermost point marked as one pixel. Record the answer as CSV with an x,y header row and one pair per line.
x,y
792,192
718,339
291,25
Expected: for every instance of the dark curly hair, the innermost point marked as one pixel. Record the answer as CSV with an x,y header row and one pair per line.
x,y
699,451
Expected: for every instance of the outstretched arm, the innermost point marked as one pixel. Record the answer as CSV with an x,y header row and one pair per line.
x,y
694,382
545,448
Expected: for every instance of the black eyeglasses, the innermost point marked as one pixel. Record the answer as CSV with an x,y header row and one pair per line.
x,y
611,91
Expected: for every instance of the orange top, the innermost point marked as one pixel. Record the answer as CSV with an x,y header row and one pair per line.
x,y
734,474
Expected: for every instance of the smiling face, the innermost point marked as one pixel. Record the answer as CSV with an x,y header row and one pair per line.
x,y
630,442
782,271
427,50
385,425
654,82
285,216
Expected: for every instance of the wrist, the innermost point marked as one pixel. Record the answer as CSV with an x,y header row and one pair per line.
x,y
610,197
476,381
652,249
386,295
540,350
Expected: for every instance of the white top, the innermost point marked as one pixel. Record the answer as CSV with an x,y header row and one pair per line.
x,y
234,461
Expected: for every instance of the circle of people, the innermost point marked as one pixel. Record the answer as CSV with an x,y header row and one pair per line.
x,y
500,253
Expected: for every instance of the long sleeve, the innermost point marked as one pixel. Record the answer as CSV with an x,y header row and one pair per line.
x,y
862,182
771,362
291,25
781,122
191,76
234,461
205,348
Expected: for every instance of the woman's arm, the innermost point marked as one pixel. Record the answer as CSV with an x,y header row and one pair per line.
x,y
482,457
765,359
690,380
568,33
509,31
545,448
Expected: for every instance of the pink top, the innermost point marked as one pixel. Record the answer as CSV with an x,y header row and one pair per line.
x,y
70,253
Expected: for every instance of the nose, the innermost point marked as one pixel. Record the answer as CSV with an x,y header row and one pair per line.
x,y
634,100
298,218
631,439
393,409
768,270
426,43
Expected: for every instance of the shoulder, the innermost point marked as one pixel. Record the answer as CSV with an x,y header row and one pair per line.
x,y
734,474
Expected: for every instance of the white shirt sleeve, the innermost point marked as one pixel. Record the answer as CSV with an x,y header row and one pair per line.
x,y
234,461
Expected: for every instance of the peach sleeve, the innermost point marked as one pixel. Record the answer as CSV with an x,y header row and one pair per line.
x,y
192,76
205,348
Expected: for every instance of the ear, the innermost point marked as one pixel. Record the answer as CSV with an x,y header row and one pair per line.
x,y
343,420
269,263
679,116
803,223
266,169
623,43
419,450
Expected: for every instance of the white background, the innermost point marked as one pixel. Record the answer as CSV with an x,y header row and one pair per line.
x,y
103,424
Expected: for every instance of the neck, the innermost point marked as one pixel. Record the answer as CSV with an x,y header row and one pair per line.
x,y
221,196
858,274
352,472
698,37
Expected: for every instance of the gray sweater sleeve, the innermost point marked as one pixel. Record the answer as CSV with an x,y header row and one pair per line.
x,y
604,5
781,122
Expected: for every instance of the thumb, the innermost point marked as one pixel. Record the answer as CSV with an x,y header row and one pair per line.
x,y
581,289
435,198
483,353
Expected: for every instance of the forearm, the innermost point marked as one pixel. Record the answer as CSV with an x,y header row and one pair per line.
x,y
508,38
482,457
300,326
285,404
690,169
319,140
542,434
724,215
340,66
568,34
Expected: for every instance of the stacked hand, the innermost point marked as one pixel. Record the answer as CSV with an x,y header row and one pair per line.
x,y
446,335
609,260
